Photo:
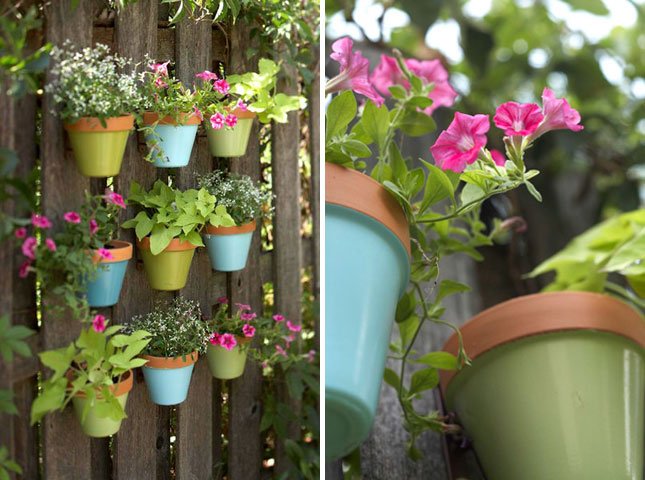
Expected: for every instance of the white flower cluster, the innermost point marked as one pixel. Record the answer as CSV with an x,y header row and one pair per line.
x,y
93,83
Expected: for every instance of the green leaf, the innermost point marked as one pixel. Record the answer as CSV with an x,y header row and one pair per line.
x,y
597,7
440,360
375,122
391,378
533,191
450,287
424,380
340,112
417,124
438,187
407,328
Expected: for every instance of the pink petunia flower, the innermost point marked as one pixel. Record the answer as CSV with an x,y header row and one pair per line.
x,y
281,351
241,105
293,327
248,330
51,245
160,68
498,157
23,271
29,248
460,143
278,318
518,118
159,83
243,307
206,75
98,323
94,226
354,71
222,300
215,339
217,121
230,120
40,221
20,232
105,254
198,113
289,339
72,217
221,86
311,356
248,316
228,341
558,115
115,198
388,73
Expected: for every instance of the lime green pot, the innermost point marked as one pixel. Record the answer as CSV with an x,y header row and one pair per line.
x,y
94,425
556,389
99,149
230,142
227,364
169,269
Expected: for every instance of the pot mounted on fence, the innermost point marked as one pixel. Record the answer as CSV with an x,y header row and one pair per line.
x,y
168,379
367,270
173,142
99,150
556,388
228,247
227,364
169,269
105,288
231,142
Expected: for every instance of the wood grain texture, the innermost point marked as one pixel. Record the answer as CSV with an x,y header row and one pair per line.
x,y
62,190
245,409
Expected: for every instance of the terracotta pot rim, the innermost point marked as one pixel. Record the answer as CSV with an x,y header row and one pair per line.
x,y
167,363
532,315
235,230
119,389
175,245
122,251
357,191
188,118
93,124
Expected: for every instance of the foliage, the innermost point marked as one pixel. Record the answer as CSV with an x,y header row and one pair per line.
x,y
244,200
93,83
89,366
614,246
18,67
164,94
229,326
169,213
14,189
176,328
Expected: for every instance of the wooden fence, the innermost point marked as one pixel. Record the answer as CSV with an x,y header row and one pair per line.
x,y
216,431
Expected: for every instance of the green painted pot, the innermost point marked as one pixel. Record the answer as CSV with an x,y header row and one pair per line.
x,y
227,364
230,142
99,150
169,269
556,389
93,425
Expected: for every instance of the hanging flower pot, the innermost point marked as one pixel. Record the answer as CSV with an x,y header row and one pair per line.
x,y
228,247
556,388
173,142
95,425
99,150
168,379
227,364
231,142
105,288
367,270
169,269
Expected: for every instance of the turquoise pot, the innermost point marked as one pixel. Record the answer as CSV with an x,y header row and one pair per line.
x,y
174,143
367,270
105,287
168,379
228,247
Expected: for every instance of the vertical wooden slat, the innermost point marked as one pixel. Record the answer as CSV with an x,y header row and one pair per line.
x,y
146,430
285,143
194,437
314,149
245,412
62,190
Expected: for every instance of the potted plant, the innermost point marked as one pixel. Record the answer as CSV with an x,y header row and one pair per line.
x,y
574,355
171,118
228,246
178,334
385,234
230,339
230,104
94,373
167,229
96,93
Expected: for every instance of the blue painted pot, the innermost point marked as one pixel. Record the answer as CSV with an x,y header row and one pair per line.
x,y
367,270
105,287
168,379
173,143
228,247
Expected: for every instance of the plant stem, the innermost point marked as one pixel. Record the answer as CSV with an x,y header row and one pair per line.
x,y
614,287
